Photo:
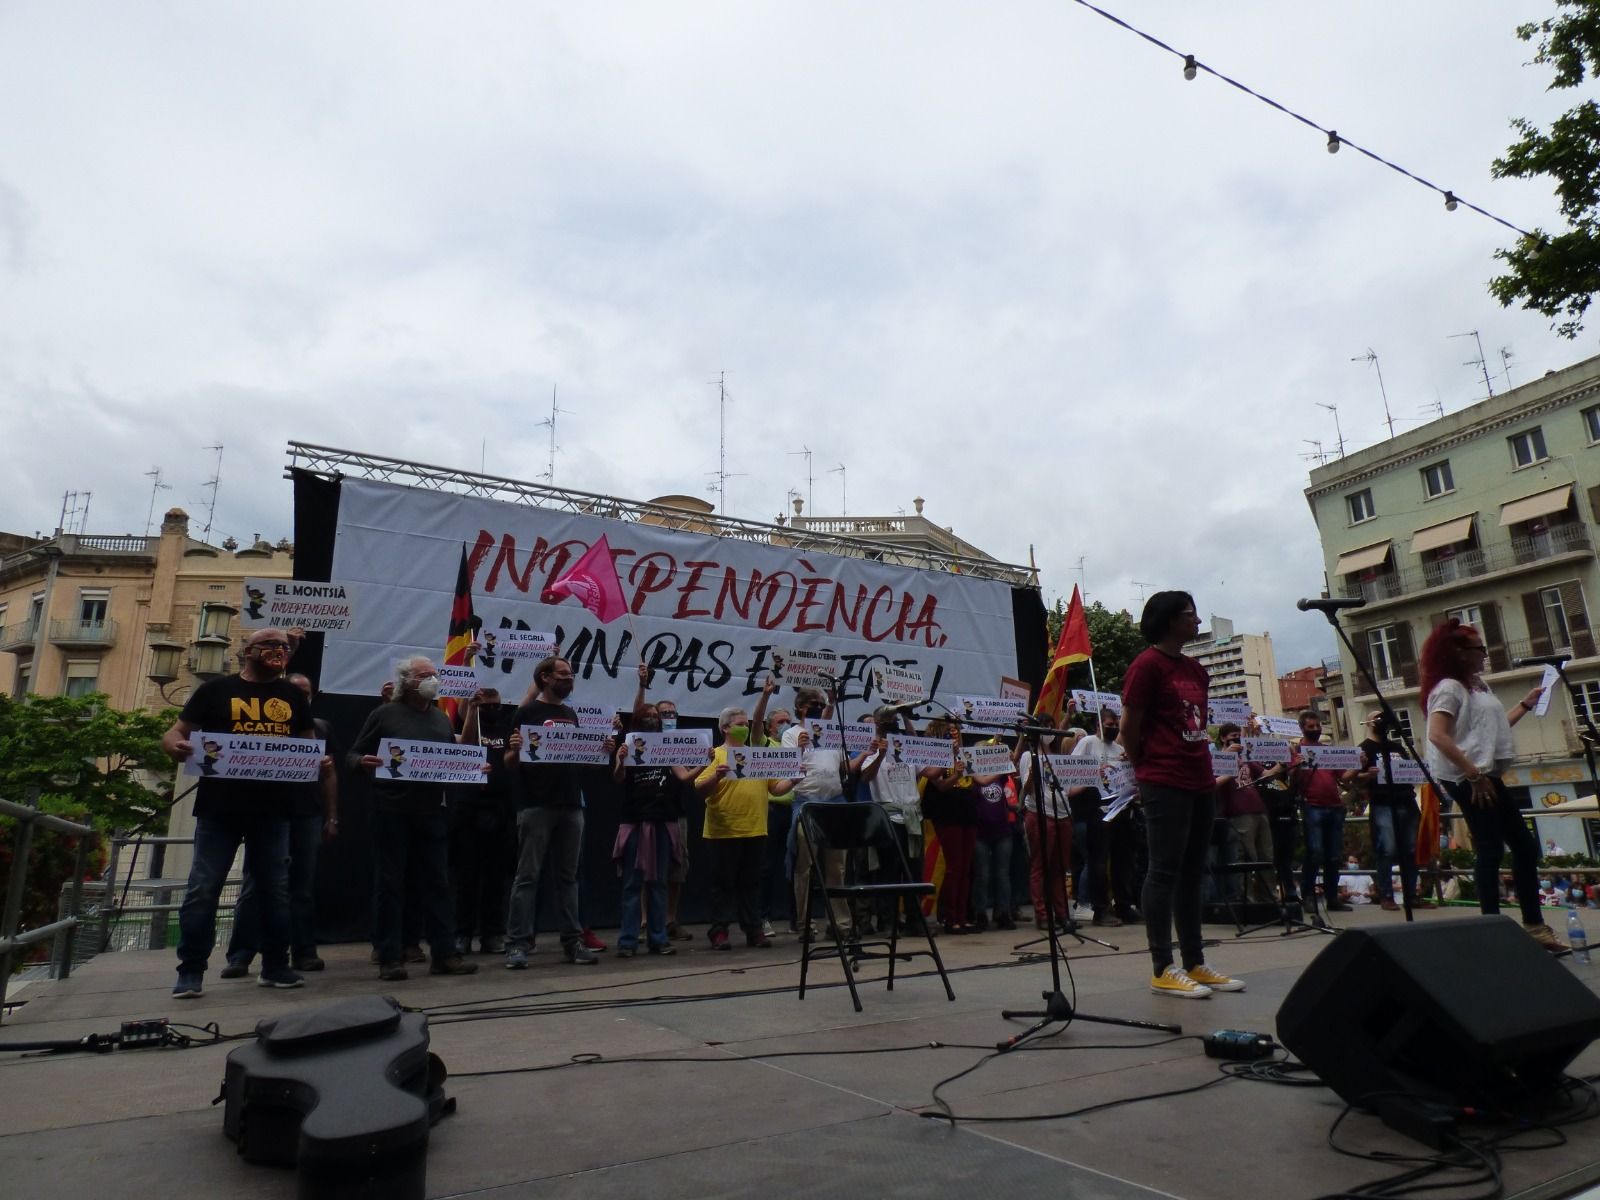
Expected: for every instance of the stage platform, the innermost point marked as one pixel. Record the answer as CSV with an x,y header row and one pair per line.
x,y
695,1121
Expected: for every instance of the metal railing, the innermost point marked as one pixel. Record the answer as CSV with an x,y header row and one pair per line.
x,y
68,632
1520,551
17,634
63,931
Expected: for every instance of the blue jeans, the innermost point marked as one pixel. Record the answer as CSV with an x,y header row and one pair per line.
x,y
266,859
1324,848
413,845
633,882
305,837
991,877
1394,835
559,832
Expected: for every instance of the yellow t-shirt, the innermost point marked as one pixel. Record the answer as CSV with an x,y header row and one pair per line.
x,y
736,808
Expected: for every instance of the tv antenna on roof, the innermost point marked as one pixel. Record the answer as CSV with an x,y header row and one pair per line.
x,y
844,495
1319,454
806,451
214,483
549,422
1480,362
1371,356
1334,409
156,487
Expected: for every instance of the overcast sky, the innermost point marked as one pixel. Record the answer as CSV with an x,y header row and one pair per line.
x,y
998,255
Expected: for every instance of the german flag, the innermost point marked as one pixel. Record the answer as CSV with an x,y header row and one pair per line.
x,y
458,646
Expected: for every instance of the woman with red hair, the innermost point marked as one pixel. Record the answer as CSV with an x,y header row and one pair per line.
x,y
1469,746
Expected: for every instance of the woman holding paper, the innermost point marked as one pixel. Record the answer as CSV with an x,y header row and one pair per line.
x,y
1469,746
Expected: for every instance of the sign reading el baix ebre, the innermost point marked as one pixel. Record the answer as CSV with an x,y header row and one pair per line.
x,y
246,756
288,603
707,614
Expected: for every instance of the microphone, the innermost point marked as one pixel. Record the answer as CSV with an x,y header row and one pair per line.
x,y
901,710
1328,604
1543,660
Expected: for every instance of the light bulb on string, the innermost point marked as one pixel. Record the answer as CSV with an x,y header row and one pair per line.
x,y
1189,68
1449,202
1333,141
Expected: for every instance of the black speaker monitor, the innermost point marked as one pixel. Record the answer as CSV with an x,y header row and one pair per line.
x,y
1469,1011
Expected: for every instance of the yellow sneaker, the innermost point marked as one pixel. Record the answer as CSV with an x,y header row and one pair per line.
x,y
1176,982
1215,980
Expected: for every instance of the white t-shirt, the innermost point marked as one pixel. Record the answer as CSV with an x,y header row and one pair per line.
x,y
895,787
1103,752
1053,806
822,769
1482,730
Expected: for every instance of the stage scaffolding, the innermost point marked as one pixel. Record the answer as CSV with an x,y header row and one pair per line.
x,y
328,462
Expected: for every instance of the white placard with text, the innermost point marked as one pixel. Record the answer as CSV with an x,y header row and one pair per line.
x,y
407,760
251,756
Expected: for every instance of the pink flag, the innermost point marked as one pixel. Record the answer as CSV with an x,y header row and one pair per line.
x,y
593,582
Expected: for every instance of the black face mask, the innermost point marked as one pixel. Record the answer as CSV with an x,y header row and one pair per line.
x,y
814,711
488,714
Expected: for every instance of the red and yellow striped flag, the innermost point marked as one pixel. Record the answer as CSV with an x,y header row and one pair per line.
x,y
1073,646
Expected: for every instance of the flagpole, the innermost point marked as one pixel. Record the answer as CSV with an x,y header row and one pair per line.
x,y
1093,686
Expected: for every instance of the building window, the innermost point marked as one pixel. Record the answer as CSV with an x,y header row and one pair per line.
x,y
1527,447
1437,480
24,682
1403,716
1383,647
1586,700
36,611
83,677
92,607
214,621
1591,423
1555,619
1360,504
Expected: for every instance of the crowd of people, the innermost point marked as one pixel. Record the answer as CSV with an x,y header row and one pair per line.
x,y
463,866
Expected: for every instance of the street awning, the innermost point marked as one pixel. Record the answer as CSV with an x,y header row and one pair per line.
x,y
1447,533
1542,504
1362,559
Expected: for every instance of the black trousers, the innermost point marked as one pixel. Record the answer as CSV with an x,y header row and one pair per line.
x,y
736,882
483,856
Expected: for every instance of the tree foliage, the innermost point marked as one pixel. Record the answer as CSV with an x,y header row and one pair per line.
x,y
1114,637
1557,275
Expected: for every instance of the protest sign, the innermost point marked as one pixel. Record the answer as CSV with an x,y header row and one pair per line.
x,y
1015,689
1073,772
1224,763
994,709
897,685
250,756
496,644
920,752
1093,702
858,735
407,760
594,716
290,603
564,744
1316,756
987,760
1402,770
1228,709
805,668
765,762
1266,750
683,748
1279,726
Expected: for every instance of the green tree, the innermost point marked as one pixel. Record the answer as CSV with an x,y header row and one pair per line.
x,y
1113,636
91,763
1558,274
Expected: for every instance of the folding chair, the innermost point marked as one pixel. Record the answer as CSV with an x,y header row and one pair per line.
x,y
851,828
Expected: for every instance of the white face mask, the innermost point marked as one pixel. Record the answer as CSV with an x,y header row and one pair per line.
x,y
428,688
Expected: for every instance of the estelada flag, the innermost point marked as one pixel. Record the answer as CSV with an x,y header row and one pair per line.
x,y
1427,825
592,581
463,627
1073,646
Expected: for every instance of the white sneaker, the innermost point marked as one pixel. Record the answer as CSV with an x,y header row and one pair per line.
x,y
766,929
1175,981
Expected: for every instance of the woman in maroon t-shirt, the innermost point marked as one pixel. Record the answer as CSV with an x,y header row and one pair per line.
x,y
1164,713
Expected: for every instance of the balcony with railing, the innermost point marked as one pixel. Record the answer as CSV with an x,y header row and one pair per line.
x,y
83,635
18,635
1524,550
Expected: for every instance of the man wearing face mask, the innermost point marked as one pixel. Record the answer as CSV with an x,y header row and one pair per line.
x,y
410,824
825,774
483,832
780,815
228,812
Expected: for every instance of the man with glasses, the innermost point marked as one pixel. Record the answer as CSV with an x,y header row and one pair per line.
x,y
258,701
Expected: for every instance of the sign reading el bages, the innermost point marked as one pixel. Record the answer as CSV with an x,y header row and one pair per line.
x,y
764,762
287,603
564,744
705,613
406,760
247,756
687,748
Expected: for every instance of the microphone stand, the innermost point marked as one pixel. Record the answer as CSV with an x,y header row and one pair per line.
x,y
1057,1006
1068,923
1588,734
1395,725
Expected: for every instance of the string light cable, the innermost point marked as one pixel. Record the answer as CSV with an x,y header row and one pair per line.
x,y
1192,67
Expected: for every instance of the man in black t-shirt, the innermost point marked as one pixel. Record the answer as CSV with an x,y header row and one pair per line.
x,y
482,832
549,806
260,701
1392,809
647,839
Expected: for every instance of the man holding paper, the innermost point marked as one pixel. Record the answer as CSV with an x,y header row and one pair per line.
x,y
258,701
410,825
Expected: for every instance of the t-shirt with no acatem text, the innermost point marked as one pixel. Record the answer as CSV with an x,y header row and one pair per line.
x,y
270,708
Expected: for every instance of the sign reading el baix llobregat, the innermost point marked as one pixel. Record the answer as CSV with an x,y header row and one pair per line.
x,y
250,756
287,603
705,613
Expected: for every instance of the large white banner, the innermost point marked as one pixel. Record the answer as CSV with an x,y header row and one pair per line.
x,y
708,614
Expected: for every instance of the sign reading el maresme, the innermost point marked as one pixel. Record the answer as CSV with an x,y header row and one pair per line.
x,y
710,615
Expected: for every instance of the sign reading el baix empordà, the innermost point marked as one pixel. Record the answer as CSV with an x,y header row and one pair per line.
x,y
710,616
287,603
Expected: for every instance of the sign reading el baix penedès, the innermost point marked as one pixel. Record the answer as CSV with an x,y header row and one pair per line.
x,y
250,756
707,614
288,603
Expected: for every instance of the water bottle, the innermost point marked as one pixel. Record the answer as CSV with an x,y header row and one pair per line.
x,y
1576,938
